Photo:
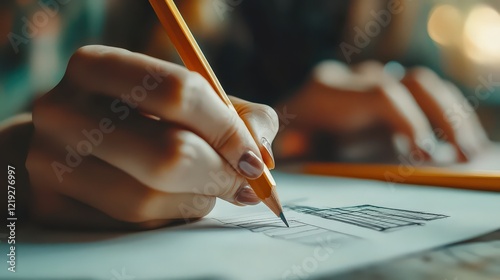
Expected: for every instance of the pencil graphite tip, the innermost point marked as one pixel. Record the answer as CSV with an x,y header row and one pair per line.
x,y
284,219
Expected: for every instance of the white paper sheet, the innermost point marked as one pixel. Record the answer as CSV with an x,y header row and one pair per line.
x,y
351,223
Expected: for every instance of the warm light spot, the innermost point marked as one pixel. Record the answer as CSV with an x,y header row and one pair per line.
x,y
444,25
482,35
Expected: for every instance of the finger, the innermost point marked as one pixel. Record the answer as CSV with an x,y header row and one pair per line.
x,y
162,156
262,121
110,190
478,137
396,106
53,209
447,110
330,88
169,92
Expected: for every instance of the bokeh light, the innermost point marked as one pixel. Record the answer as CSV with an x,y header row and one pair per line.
x,y
482,35
445,24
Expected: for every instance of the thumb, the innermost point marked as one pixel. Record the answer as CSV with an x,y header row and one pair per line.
x,y
262,122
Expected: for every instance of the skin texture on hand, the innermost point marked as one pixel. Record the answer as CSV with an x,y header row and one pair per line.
x,y
128,140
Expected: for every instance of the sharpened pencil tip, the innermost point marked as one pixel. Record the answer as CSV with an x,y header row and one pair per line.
x,y
284,219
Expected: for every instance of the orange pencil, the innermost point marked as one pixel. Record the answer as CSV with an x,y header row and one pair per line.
x,y
194,60
432,176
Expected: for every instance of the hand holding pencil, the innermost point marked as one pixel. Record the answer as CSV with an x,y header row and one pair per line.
x,y
194,59
98,158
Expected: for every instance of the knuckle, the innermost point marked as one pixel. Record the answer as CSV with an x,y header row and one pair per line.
x,y
88,59
192,85
172,155
169,86
182,93
77,58
80,53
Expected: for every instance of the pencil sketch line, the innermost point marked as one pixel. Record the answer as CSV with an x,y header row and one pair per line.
x,y
298,232
370,216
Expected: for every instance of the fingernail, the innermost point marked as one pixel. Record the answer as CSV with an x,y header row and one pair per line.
x,y
250,165
269,151
246,196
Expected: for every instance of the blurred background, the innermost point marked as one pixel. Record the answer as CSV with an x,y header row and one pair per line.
x,y
261,50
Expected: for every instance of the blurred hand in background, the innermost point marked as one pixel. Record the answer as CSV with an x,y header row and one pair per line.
x,y
421,112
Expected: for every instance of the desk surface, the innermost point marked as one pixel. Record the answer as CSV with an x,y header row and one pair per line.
x,y
94,256
477,259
